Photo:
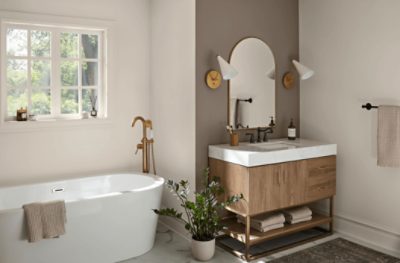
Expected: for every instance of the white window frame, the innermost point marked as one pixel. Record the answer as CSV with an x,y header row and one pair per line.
x,y
56,59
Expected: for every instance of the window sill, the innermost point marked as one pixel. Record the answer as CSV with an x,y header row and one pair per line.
x,y
50,124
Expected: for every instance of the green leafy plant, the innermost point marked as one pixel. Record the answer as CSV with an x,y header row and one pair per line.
x,y
202,215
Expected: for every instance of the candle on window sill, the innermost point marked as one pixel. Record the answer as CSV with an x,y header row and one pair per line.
x,y
22,114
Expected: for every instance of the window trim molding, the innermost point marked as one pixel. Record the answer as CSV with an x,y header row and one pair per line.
x,y
53,124
68,23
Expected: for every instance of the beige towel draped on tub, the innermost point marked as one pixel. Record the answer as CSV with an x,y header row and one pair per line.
x,y
45,220
389,136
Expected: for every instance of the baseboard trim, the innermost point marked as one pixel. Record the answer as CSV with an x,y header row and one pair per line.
x,y
175,226
373,237
369,225
368,244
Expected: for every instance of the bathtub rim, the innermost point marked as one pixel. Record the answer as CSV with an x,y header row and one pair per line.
x,y
158,182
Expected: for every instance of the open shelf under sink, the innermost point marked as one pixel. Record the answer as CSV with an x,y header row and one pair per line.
x,y
238,231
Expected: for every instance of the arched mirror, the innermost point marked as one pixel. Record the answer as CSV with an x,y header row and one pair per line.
x,y
252,91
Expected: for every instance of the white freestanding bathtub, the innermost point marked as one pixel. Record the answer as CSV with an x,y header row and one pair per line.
x,y
109,219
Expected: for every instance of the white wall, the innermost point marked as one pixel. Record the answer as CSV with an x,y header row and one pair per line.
x,y
172,97
28,155
354,47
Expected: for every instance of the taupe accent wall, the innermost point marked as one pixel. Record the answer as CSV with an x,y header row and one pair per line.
x,y
220,24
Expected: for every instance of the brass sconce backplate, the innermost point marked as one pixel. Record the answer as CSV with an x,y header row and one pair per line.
x,y
213,79
288,80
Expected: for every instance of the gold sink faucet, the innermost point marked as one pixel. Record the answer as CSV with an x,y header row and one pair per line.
x,y
146,144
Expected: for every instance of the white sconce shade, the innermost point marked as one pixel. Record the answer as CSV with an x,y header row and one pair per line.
x,y
271,74
228,72
304,72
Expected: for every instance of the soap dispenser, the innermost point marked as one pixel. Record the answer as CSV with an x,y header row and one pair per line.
x,y
291,131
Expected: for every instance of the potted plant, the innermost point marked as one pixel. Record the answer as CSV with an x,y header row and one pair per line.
x,y
202,218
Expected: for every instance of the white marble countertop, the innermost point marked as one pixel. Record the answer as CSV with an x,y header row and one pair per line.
x,y
273,151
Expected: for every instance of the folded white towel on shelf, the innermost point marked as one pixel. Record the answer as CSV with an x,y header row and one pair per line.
x,y
268,228
263,229
266,220
264,223
304,219
297,213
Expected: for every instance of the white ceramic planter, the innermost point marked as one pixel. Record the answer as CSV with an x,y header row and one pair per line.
x,y
203,250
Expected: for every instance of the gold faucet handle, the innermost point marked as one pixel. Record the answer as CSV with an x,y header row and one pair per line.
x,y
139,147
148,124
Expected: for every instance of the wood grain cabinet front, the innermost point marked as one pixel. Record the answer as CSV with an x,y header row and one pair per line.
x,y
277,186
321,178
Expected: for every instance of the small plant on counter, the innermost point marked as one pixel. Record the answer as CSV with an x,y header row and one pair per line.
x,y
202,219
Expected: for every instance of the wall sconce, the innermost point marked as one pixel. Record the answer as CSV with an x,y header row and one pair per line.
x,y
213,77
228,72
303,71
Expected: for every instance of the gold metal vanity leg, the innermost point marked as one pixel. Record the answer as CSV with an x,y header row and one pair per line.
x,y
331,208
247,252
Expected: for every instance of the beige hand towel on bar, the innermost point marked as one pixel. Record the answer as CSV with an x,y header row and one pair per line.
x,y
389,136
45,220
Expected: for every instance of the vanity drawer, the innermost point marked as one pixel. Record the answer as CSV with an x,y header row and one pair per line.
x,y
276,186
321,178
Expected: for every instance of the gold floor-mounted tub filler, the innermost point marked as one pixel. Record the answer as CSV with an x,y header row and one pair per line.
x,y
146,144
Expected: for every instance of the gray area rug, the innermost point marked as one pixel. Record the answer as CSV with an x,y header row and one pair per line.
x,y
270,244
337,251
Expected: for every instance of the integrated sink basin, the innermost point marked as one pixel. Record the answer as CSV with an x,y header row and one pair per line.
x,y
274,151
274,146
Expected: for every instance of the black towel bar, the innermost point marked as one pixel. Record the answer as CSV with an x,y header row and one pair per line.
x,y
369,106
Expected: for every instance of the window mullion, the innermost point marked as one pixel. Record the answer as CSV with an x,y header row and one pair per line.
x,y
100,79
56,74
29,72
80,73
4,90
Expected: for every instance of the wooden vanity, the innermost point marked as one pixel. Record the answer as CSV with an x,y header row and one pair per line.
x,y
272,175
274,187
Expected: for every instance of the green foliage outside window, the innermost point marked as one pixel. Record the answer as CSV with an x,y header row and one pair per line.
x,y
41,68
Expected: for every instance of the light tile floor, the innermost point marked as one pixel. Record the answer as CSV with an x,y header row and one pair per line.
x,y
171,247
